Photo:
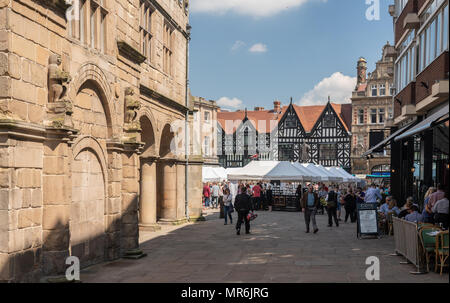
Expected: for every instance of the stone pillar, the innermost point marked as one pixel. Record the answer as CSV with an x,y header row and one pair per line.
x,y
147,199
130,193
181,193
113,211
169,192
195,189
57,198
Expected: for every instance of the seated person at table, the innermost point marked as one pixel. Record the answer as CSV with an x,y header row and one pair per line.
x,y
440,211
389,206
404,211
414,215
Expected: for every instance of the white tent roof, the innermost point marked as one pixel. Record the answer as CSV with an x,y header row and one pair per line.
x,y
221,172
324,177
346,174
335,171
332,177
310,174
286,171
209,175
255,170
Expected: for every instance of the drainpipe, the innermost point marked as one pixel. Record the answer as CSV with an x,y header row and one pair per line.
x,y
186,124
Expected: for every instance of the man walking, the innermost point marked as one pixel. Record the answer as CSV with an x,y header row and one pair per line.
x,y
257,196
332,202
206,194
310,202
215,195
243,206
373,195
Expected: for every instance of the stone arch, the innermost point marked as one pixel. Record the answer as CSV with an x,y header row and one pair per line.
x,y
91,74
149,132
166,137
89,201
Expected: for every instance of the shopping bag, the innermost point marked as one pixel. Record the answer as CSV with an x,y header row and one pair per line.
x,y
252,216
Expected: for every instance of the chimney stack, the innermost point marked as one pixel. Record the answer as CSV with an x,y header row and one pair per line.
x,y
277,106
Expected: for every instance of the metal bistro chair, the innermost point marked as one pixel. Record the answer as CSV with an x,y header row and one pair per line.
x,y
441,249
428,243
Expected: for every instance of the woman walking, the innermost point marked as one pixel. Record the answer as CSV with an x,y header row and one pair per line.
x,y
228,205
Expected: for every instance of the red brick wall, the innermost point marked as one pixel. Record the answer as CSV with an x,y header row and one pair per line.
x,y
438,70
411,7
407,96
420,3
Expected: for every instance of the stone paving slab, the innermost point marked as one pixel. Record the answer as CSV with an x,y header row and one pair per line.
x,y
277,250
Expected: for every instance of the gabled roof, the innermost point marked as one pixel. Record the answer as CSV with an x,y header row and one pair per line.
x,y
308,116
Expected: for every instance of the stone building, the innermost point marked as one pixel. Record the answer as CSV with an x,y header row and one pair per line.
x,y
205,129
372,110
91,96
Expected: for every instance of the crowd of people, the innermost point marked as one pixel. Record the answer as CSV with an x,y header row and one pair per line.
x,y
316,198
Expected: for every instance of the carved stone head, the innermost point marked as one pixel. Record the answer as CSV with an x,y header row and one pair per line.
x,y
54,59
129,91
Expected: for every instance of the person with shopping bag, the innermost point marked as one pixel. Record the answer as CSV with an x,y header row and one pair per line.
x,y
243,206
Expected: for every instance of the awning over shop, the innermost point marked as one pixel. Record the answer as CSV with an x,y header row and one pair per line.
x,y
388,140
429,122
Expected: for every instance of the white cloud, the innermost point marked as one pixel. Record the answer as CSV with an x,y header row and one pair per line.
x,y
237,45
226,102
254,8
338,86
258,48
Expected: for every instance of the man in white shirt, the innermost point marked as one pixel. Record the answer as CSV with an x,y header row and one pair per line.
x,y
440,211
373,194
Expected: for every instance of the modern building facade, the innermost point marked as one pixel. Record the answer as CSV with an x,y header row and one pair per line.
x,y
205,129
316,134
91,97
372,110
419,139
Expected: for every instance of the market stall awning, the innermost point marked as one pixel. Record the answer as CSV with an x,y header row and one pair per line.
x,y
388,140
438,117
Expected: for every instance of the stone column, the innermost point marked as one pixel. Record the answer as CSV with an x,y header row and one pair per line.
x,y
169,192
181,193
147,200
195,189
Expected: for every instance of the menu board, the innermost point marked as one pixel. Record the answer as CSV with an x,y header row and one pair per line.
x,y
367,219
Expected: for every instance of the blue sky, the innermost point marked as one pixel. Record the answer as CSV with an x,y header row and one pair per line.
x,y
306,49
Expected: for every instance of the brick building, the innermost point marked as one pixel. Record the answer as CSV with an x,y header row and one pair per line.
x,y
419,141
90,99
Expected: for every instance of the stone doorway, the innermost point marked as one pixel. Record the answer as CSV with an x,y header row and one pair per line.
x,y
87,210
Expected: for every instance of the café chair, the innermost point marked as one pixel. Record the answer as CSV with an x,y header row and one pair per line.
x,y
442,249
428,243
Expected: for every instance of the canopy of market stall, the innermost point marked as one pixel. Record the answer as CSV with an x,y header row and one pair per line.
x,y
273,170
347,177
213,174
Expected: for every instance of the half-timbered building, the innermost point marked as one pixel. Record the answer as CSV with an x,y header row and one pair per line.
x,y
316,134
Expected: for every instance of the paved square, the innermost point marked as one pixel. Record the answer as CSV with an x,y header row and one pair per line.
x,y
277,250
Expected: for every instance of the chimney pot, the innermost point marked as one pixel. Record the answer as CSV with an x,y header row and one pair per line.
x,y
276,106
